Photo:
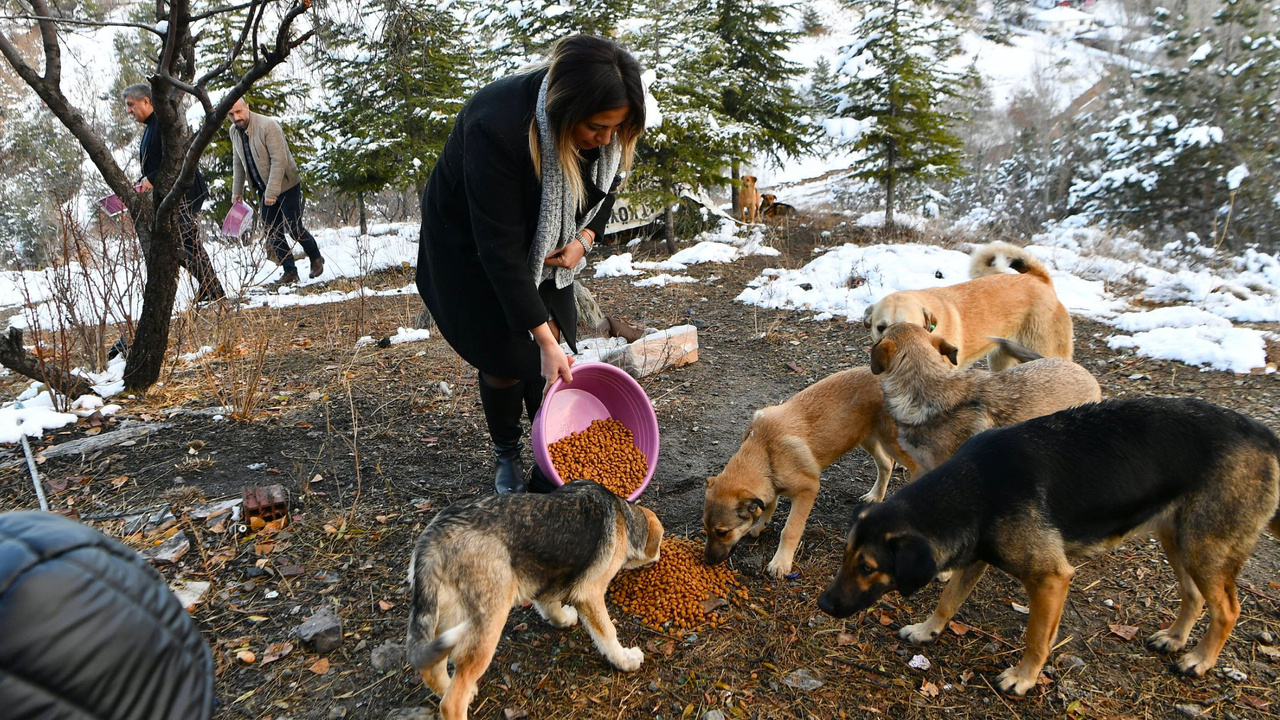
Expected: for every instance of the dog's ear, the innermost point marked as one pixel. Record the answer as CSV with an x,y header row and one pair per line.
x,y
881,352
751,507
949,351
914,565
930,321
866,317
654,540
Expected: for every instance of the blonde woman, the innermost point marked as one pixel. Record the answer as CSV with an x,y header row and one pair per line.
x,y
522,190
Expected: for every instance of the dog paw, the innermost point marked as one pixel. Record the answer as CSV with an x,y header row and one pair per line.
x,y
1193,666
871,496
918,634
1013,681
1165,642
778,568
628,659
568,616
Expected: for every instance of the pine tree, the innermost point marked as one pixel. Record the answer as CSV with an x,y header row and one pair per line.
x,y
523,31
759,94
1164,156
394,88
690,143
895,75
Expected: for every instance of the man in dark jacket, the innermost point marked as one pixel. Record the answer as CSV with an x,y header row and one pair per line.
x,y
89,631
137,103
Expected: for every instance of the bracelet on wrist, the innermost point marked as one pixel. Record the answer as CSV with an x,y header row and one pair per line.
x,y
586,246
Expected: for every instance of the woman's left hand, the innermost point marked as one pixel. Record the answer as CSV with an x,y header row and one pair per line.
x,y
569,255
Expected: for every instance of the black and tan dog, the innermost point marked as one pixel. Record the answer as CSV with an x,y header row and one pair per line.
x,y
937,407
478,559
783,453
1021,306
1033,498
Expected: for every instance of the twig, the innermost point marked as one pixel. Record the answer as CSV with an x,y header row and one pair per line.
x,y
35,475
860,666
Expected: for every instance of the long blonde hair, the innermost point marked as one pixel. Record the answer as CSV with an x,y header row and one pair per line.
x,y
588,75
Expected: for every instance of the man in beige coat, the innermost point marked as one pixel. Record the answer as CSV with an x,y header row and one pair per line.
x,y
270,166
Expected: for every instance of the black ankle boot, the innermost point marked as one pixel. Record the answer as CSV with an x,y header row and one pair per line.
x,y
502,410
510,475
539,482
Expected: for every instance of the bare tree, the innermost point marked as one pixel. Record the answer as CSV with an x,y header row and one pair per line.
x,y
173,81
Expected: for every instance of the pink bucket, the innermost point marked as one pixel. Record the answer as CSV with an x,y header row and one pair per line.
x,y
599,391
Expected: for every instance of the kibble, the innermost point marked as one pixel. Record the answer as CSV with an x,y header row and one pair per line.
x,y
605,452
676,593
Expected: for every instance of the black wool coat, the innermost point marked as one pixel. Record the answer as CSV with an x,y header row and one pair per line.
x,y
89,631
151,150
479,216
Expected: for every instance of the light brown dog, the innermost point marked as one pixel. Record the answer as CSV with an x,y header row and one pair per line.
x,y
783,453
1022,307
938,407
749,199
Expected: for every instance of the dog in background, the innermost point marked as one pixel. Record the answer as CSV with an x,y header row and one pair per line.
x,y
1021,306
937,407
1036,497
770,207
783,453
749,199
478,559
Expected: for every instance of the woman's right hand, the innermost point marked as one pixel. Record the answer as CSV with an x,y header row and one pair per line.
x,y
555,363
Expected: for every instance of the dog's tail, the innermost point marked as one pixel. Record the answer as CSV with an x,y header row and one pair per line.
x,y
995,257
423,654
423,647
1016,350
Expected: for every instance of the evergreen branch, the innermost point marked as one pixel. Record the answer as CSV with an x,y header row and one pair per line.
x,y
231,55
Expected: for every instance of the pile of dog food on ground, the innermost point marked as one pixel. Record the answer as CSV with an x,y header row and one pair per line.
x,y
605,452
679,592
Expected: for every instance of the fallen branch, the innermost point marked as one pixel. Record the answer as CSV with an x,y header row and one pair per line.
x,y
15,356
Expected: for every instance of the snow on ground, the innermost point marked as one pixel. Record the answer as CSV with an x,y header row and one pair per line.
x,y
1196,326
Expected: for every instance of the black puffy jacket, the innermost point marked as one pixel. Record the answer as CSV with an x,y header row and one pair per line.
x,y
88,630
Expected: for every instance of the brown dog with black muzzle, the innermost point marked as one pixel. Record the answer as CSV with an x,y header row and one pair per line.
x,y
783,453
1036,498
1021,306
937,407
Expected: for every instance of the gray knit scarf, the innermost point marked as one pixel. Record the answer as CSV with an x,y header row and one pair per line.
x,y
557,226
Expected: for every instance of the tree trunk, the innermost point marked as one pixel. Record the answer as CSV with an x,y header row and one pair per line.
x,y
364,223
890,180
733,191
151,339
669,228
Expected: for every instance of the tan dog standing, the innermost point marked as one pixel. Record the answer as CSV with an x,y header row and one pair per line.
x,y
938,407
1022,307
783,453
749,199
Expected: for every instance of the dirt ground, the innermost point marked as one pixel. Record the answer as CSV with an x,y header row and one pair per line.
x,y
370,442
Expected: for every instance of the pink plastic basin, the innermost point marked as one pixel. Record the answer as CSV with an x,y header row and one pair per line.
x,y
599,391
